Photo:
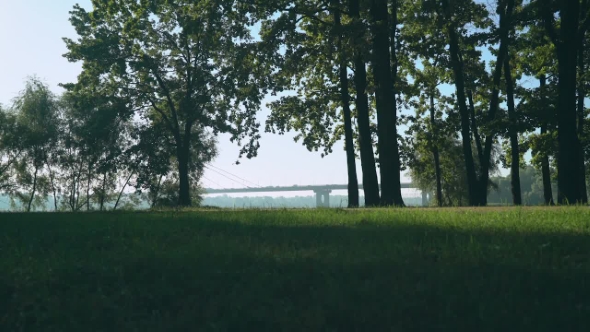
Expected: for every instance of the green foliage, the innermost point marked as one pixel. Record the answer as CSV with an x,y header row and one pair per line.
x,y
161,79
36,117
453,175
308,65
531,186
181,63
166,195
9,149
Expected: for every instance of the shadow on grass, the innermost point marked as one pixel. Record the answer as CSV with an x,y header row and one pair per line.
x,y
127,274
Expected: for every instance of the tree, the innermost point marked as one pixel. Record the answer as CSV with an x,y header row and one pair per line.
x,y
456,15
358,40
317,69
535,58
353,191
192,62
582,83
513,135
151,159
36,119
532,188
10,150
426,42
427,80
452,164
384,77
319,43
567,39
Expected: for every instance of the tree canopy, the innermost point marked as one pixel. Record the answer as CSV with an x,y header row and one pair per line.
x,y
452,91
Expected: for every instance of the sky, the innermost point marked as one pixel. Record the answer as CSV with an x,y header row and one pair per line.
x,y
31,33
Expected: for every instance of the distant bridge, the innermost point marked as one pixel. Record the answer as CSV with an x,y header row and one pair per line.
x,y
322,192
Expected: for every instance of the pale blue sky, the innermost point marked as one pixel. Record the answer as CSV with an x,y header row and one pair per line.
x,y
31,44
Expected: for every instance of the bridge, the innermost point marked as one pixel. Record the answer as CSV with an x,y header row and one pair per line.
x,y
322,192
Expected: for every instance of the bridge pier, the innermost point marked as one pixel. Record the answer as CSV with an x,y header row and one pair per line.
x,y
426,196
322,198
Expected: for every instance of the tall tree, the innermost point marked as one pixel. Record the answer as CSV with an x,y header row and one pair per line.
x,y
457,65
314,63
152,162
582,82
370,182
36,119
423,39
513,135
545,167
10,149
193,62
567,42
535,58
353,188
381,60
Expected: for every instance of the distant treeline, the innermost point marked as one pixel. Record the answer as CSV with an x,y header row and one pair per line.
x,y
133,202
285,202
500,194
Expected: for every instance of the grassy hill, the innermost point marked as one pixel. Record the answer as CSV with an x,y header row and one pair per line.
x,y
488,269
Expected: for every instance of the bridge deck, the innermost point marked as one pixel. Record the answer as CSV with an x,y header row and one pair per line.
x,y
285,189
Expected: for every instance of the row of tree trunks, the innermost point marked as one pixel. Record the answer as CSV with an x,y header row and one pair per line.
x,y
478,186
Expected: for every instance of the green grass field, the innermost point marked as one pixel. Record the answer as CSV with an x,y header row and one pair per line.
x,y
491,269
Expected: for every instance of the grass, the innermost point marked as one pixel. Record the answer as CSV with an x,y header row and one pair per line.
x,y
511,269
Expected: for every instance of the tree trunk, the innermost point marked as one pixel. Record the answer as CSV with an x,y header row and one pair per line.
x,y
568,146
76,188
121,192
370,182
566,46
33,190
353,186
546,173
505,23
435,151
581,117
53,189
103,191
88,189
385,98
513,133
458,71
397,189
545,169
156,192
474,129
184,197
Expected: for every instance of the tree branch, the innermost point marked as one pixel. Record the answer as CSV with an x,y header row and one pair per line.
x,y
549,22
175,133
176,127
